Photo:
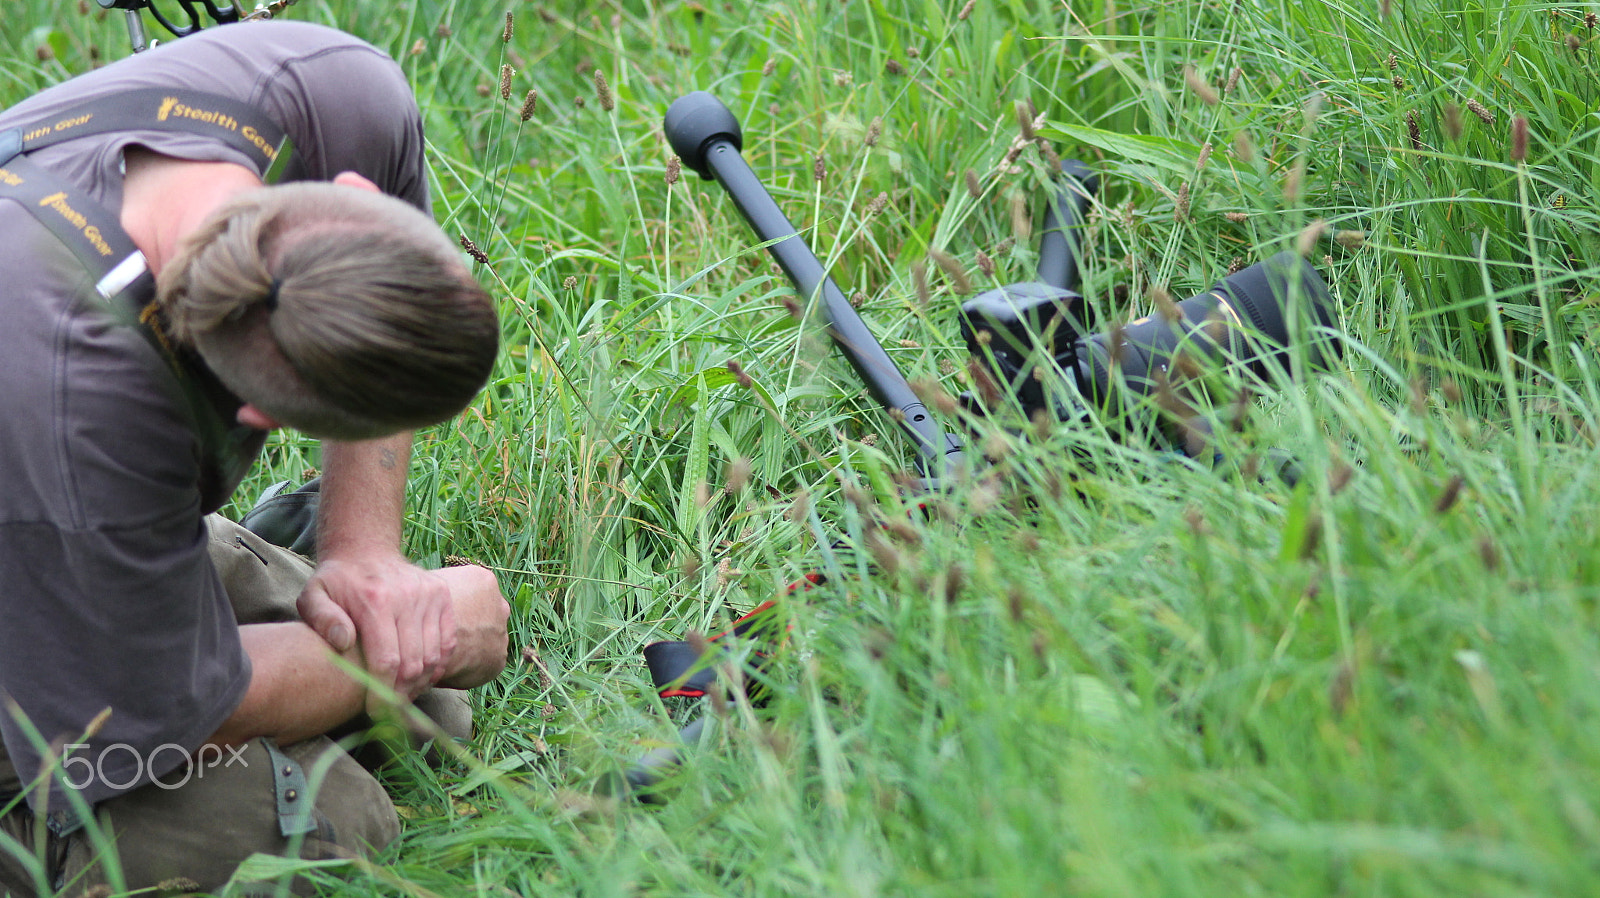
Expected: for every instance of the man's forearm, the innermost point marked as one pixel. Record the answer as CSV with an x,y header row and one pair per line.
x,y
297,687
363,496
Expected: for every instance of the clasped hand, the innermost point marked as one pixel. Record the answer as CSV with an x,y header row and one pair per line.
x,y
416,628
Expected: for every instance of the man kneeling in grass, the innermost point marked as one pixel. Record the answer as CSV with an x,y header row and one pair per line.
x,y
168,679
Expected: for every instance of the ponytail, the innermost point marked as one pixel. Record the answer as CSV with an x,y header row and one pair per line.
x,y
337,311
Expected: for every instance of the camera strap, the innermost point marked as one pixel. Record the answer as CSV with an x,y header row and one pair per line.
x,y
95,236
236,124
93,233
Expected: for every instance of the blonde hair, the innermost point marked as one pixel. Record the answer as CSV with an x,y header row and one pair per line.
x,y
336,311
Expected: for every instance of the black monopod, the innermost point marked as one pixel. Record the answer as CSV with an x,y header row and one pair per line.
x,y
706,136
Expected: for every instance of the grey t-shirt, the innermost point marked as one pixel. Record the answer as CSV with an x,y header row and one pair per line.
x,y
107,597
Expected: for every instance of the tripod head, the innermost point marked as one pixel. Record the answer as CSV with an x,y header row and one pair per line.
x,y
1029,333
192,21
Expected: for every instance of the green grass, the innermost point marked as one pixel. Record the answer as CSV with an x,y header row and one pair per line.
x,y
1103,671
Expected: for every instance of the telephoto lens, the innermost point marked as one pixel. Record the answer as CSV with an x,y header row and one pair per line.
x,y
1243,320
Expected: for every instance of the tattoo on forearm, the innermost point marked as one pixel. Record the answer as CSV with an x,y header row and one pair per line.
x,y
386,459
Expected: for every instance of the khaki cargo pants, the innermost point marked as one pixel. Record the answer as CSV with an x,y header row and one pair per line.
x,y
310,799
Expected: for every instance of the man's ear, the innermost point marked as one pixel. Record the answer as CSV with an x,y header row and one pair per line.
x,y
351,179
250,416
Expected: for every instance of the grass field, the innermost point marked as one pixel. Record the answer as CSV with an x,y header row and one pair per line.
x,y
1105,669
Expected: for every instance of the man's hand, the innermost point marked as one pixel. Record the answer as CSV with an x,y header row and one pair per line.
x,y
297,690
401,615
480,613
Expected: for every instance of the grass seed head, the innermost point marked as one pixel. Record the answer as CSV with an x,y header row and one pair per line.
x,y
1294,179
974,188
473,251
988,391
1350,239
919,281
698,643
1451,493
1197,84
1488,553
1307,241
770,66
874,131
1180,205
1341,688
530,103
1017,604
1233,80
1478,109
1025,119
967,11
903,530
602,89
1043,423
894,67
1243,147
996,447
739,375
1519,139
674,170
1312,538
954,579
877,204
932,394
1165,307
506,71
1339,476
1205,156
505,33
952,270
819,168
1236,217
1021,217
1313,107
889,559
799,509
985,264
1413,130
